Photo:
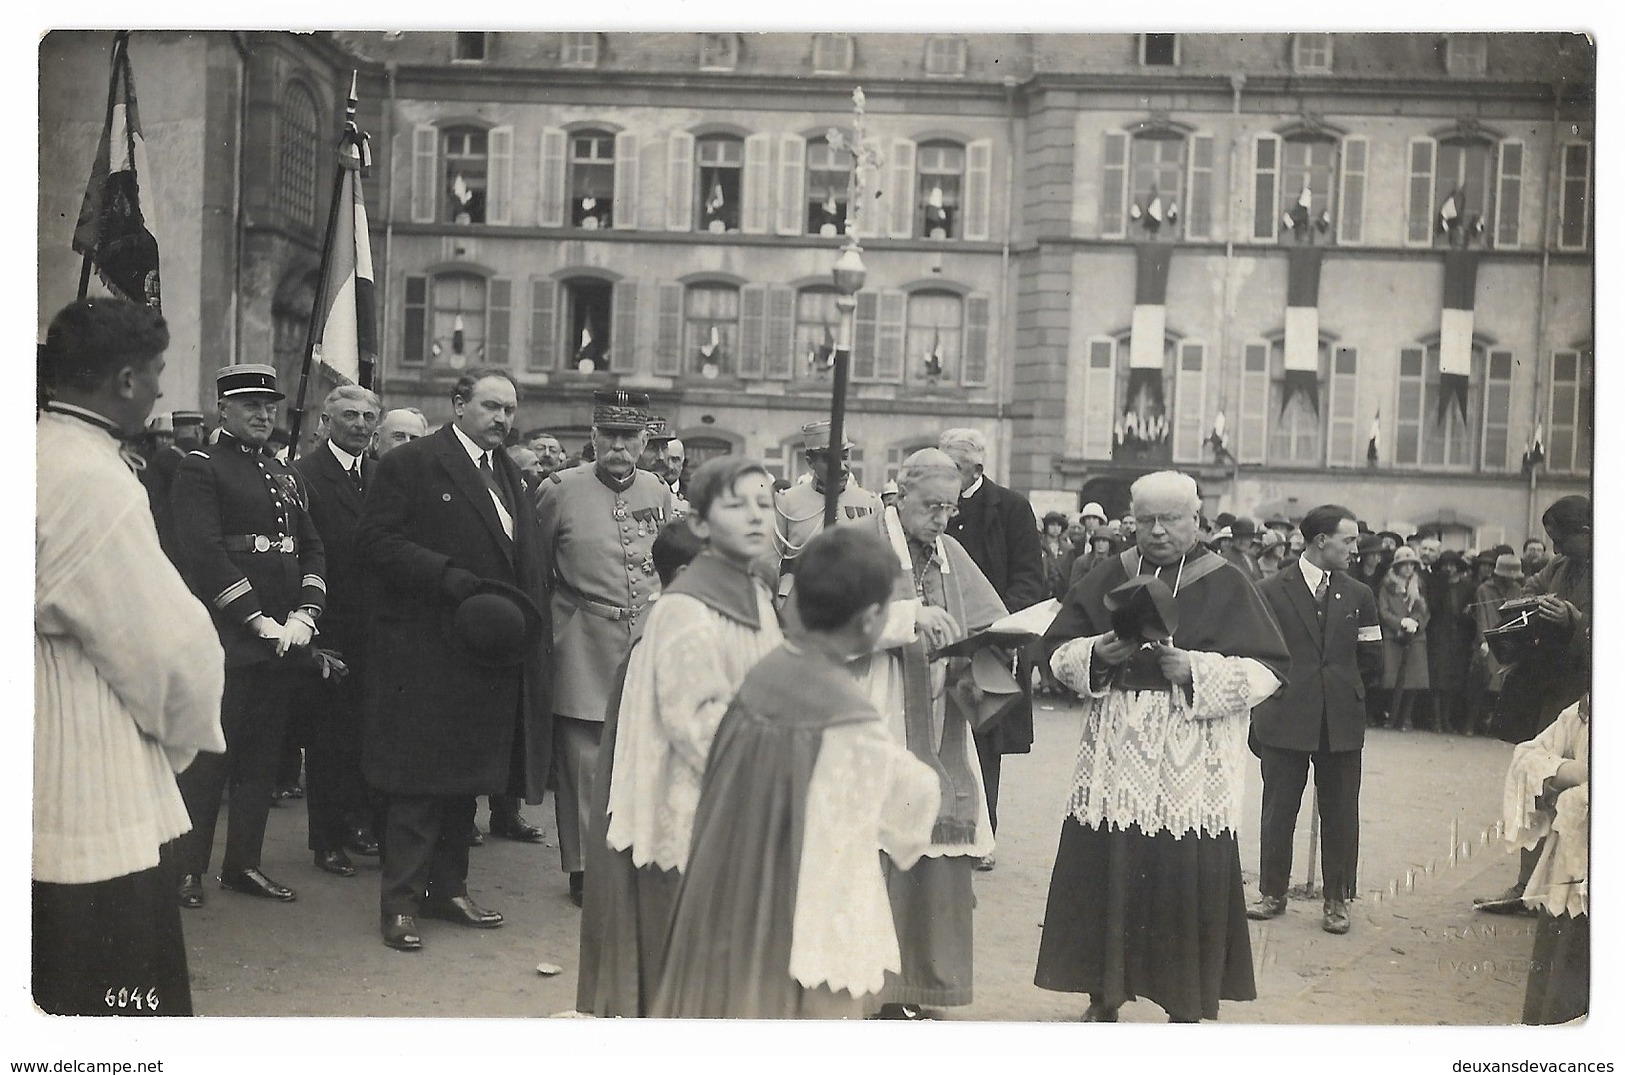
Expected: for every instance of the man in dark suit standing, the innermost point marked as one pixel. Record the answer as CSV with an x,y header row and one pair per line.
x,y
1329,621
998,529
340,814
445,519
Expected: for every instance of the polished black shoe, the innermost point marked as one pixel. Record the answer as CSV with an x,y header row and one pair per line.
x,y
251,882
335,862
515,827
1266,907
401,932
578,887
910,1013
1097,1012
462,910
476,838
191,892
361,842
1335,917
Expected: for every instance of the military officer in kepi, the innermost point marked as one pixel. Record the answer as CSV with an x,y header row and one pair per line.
x,y
598,524
799,510
244,543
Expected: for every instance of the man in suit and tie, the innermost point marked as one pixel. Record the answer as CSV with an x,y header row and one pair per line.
x,y
340,812
1330,624
457,702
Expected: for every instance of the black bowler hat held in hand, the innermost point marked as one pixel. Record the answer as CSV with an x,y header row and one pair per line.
x,y
1144,611
495,626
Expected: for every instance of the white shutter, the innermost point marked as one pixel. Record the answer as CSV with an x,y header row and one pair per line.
x,y
752,330
757,218
1114,186
550,211
652,177
680,181
499,177
1099,398
1190,403
978,188
792,215
626,183
900,191
893,323
623,340
668,357
1352,189
1253,428
1421,156
1198,207
1266,187
1508,194
543,307
425,178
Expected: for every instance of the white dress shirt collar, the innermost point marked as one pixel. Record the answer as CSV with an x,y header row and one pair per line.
x,y
1311,574
974,486
346,460
475,452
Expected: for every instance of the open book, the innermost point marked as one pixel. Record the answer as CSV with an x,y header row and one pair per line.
x,y
1012,630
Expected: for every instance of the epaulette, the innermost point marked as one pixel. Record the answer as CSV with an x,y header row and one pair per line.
x,y
199,452
555,478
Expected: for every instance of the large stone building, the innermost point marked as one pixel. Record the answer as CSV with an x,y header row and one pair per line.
x,y
1081,243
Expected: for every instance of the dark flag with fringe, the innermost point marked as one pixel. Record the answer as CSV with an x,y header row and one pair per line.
x,y
1301,363
1456,329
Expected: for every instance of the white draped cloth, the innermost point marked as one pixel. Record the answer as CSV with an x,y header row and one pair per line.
x,y
1559,884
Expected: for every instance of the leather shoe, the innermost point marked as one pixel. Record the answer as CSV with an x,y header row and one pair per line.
x,y
361,842
985,863
401,932
191,892
335,862
578,887
1097,1012
251,882
1266,907
462,910
476,838
1335,917
515,827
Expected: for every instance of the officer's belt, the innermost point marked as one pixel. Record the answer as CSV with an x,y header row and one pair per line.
x,y
587,604
260,543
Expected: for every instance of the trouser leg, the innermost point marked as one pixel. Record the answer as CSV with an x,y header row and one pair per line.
x,y
575,756
448,862
1284,772
201,786
254,716
1337,795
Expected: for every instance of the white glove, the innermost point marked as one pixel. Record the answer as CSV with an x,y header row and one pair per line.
x,y
1408,625
296,632
265,627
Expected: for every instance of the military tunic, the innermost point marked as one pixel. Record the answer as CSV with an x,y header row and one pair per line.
x,y
798,515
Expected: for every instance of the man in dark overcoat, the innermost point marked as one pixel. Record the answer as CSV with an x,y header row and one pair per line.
x,y
444,515
998,529
1334,642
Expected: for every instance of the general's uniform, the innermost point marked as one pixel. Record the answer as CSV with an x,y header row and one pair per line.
x,y
598,533
245,544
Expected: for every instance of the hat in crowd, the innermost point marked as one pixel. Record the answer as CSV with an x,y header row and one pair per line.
x,y
1093,510
186,418
1369,542
161,423
1451,556
815,437
1224,518
1405,555
659,430
620,410
496,625
1244,528
1271,539
1485,556
1057,517
1143,609
1508,566
246,379
1502,550
1221,533
1278,522
1399,542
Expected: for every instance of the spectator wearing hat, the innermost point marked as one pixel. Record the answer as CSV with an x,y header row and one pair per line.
x,y
1271,552
458,651
185,434
1371,563
799,510
1081,534
549,452
1451,634
128,676
598,523
1404,614
1056,550
245,543
1488,673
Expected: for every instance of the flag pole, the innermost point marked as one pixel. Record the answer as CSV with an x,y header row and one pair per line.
x,y
326,267
121,44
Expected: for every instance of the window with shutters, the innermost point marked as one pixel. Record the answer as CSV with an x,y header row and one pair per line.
x,y
711,330
946,57
719,52
828,173
720,165
578,50
470,47
1144,192
592,179
1311,53
833,54
1159,50
587,307
1574,206
1297,422
940,167
446,321
1308,170
878,336
297,128
817,324
1569,410
934,338
1464,189
463,152
1428,436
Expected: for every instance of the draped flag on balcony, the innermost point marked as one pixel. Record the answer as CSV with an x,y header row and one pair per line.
x,y
1149,329
1456,329
1302,344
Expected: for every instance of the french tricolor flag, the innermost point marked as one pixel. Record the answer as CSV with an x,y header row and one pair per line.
x,y
1456,329
1149,329
347,340
1301,363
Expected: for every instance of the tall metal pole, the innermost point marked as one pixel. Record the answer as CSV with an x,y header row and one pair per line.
x,y
849,276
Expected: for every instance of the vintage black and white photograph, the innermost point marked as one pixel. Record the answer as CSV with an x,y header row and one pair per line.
x,y
904,524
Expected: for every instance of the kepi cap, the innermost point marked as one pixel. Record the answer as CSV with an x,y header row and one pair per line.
x,y
618,409
187,418
815,437
161,423
659,430
247,379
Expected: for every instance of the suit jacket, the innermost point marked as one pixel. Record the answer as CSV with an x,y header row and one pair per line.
x,y
1330,668
998,529
438,723
335,509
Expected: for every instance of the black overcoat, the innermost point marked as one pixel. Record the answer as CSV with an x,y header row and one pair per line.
x,y
438,723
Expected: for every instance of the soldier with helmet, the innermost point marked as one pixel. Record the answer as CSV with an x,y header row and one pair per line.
x,y
244,543
799,510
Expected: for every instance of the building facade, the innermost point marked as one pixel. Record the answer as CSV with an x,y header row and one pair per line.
x,y
1114,252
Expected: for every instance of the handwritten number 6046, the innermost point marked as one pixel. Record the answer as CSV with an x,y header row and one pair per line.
x,y
132,998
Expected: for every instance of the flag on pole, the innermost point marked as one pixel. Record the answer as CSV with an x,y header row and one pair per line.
x,y
1371,455
933,357
111,232
347,338
1450,211
1535,453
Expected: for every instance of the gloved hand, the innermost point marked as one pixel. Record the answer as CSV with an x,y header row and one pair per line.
x,y
458,584
296,632
1408,625
331,665
265,627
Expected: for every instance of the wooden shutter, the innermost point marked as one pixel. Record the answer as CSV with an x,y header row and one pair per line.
x,y
623,340
669,330
498,320
652,176
1266,187
973,361
1508,194
425,176
499,177
1198,206
543,337
792,202
626,182
978,188
781,332
414,326
1421,154
550,210
865,331
893,328
680,181
1114,185
1497,411
900,191
1190,402
1253,428
756,217
1351,190
752,330
1099,398
1345,446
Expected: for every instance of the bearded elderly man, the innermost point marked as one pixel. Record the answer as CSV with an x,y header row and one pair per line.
x,y
938,597
598,524
1146,895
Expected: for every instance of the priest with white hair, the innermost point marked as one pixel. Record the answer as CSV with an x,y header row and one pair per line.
x,y
1170,646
